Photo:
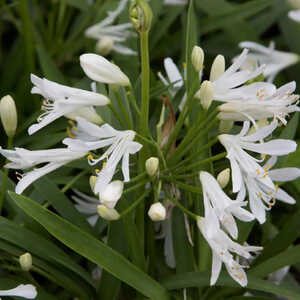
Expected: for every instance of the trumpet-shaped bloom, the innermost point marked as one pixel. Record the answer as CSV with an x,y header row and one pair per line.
x,y
274,60
24,159
117,34
100,69
225,208
27,291
62,100
268,102
248,175
92,137
227,87
222,248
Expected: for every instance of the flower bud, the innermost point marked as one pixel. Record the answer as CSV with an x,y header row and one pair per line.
x,y
152,165
225,126
157,212
93,180
217,68
223,178
206,94
141,15
111,193
109,214
197,58
100,69
8,113
104,46
25,261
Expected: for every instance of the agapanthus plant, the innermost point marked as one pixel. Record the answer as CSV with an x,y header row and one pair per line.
x,y
141,198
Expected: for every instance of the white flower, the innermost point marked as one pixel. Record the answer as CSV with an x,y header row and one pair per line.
x,y
222,248
117,34
274,60
111,194
225,208
24,159
109,214
227,87
294,15
268,102
157,212
248,174
92,137
175,2
175,79
61,101
87,205
100,69
27,291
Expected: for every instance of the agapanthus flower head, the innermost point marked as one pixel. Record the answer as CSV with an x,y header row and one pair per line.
x,y
24,159
248,174
274,60
61,100
224,208
117,34
223,249
90,137
268,102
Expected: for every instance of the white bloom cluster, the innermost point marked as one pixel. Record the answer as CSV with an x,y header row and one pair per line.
x,y
79,105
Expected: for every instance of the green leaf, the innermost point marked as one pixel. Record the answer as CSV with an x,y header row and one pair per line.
x,y
92,249
81,4
201,279
286,258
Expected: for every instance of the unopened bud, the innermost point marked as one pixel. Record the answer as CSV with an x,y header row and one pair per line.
x,y
141,15
157,212
223,178
104,46
197,58
8,113
110,195
152,165
217,68
25,261
109,214
93,180
206,94
225,126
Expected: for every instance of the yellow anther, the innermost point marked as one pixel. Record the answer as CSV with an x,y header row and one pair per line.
x,y
257,171
239,276
276,187
184,65
260,194
270,193
97,171
71,122
266,175
104,164
90,157
69,133
264,156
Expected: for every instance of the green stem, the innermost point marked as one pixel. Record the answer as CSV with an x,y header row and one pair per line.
x,y
134,204
201,162
124,111
5,177
138,177
145,83
71,182
116,114
132,188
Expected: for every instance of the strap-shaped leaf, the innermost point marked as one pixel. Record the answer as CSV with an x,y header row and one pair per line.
x,y
92,249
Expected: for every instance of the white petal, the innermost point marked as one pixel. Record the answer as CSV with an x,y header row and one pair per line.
x,y
294,15
261,133
215,268
125,166
27,291
284,174
257,208
236,175
110,195
284,197
173,73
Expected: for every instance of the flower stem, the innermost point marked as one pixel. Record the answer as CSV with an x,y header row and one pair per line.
x,y
71,182
5,177
145,83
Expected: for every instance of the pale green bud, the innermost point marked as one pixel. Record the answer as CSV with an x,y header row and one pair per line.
x,y
224,177
197,58
157,212
225,126
217,68
8,113
151,166
140,15
25,261
109,214
206,94
93,180
104,46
